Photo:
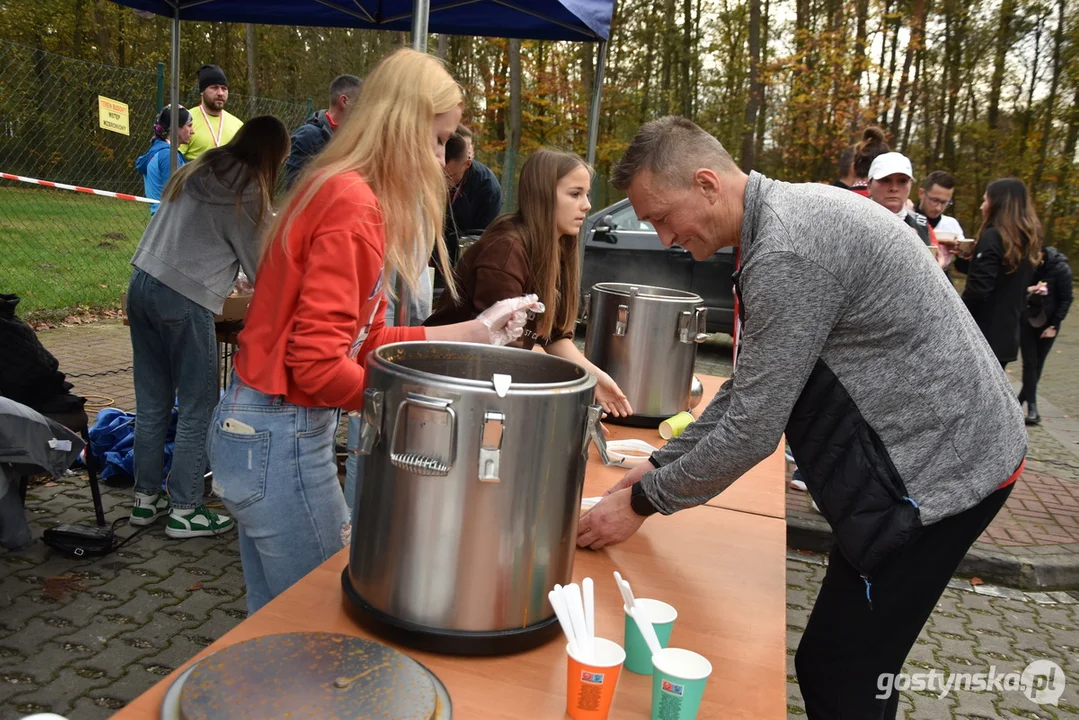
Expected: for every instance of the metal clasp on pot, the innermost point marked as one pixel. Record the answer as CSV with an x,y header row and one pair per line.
x,y
491,445
372,425
622,322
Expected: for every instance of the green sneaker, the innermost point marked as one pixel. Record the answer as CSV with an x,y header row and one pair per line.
x,y
149,508
200,522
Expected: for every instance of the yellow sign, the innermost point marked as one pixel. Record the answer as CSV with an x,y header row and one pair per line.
x,y
113,115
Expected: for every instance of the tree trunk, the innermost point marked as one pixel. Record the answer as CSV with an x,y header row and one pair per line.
x,y
749,123
77,38
861,60
1004,33
1028,113
1062,197
121,39
762,111
883,54
513,140
250,51
887,100
687,57
443,45
914,45
668,55
102,25
916,93
1051,101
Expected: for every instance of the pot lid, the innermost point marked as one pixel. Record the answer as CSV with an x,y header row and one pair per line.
x,y
311,674
647,292
500,369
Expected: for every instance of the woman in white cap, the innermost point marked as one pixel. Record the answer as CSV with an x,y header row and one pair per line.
x,y
890,180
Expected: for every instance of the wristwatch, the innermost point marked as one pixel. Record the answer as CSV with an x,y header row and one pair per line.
x,y
640,503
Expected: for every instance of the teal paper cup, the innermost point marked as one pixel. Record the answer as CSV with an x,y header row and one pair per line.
x,y
662,617
678,681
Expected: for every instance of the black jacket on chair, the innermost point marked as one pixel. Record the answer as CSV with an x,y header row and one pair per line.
x,y
996,296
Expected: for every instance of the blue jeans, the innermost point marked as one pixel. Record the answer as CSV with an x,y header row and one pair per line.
x,y
174,348
275,469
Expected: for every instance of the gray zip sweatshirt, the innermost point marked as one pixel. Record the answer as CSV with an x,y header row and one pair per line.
x,y
828,275
197,243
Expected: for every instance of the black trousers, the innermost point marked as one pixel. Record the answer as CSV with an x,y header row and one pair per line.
x,y
1034,350
847,645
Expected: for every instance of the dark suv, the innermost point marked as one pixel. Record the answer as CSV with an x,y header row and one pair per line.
x,y
620,248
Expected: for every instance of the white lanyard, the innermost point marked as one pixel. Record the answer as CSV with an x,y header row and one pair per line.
x,y
220,124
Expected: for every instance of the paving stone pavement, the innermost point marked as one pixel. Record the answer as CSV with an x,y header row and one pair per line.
x,y
83,637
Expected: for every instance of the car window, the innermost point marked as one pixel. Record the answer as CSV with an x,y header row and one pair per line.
x,y
626,219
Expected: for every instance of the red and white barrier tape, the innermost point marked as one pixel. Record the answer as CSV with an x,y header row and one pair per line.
x,y
76,188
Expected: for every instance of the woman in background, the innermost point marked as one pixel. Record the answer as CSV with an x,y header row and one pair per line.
x,y
1009,247
535,250
1049,299
206,230
155,165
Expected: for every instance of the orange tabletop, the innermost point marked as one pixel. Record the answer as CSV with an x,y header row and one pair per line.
x,y
760,491
724,571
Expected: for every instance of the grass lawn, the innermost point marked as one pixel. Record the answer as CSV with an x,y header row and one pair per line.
x,y
60,249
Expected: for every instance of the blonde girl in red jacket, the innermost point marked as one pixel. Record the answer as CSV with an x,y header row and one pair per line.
x,y
372,202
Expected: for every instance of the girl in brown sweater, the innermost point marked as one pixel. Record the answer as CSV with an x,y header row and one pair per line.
x,y
535,250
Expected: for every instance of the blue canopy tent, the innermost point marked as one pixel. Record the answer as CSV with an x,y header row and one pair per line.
x,y
575,20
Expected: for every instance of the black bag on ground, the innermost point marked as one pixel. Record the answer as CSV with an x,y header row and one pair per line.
x,y
81,540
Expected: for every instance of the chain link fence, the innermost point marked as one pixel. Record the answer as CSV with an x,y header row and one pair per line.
x,y
61,250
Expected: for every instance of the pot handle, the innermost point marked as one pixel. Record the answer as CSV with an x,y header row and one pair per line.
x,y
418,463
594,433
702,323
372,421
586,305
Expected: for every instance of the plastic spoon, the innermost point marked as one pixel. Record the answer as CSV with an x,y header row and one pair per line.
x,y
627,600
643,623
647,631
562,613
572,594
588,590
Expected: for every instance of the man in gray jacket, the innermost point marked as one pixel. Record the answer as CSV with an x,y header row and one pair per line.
x,y
857,348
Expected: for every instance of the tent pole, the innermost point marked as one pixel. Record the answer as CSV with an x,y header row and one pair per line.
x,y
174,95
421,10
597,93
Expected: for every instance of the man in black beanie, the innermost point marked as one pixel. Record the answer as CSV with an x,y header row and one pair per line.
x,y
214,126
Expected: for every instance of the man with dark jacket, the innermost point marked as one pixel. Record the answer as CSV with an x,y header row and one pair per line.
x,y
856,347
475,195
312,136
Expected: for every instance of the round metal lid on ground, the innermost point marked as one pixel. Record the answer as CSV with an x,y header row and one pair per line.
x,y
310,675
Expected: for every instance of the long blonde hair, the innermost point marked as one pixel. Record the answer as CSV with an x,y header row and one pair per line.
x,y
1012,214
555,266
386,138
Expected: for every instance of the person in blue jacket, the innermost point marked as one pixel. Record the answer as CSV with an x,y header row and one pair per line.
x,y
154,164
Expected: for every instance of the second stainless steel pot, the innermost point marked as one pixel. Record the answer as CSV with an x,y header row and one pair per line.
x,y
646,338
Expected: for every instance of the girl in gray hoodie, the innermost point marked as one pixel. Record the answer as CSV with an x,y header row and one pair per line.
x,y
206,230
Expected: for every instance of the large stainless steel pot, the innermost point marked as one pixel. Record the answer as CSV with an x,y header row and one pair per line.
x,y
474,461
646,339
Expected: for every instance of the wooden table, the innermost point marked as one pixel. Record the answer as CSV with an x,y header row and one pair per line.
x,y
723,569
760,491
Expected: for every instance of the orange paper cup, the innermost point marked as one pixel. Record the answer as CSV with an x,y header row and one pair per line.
x,y
590,686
